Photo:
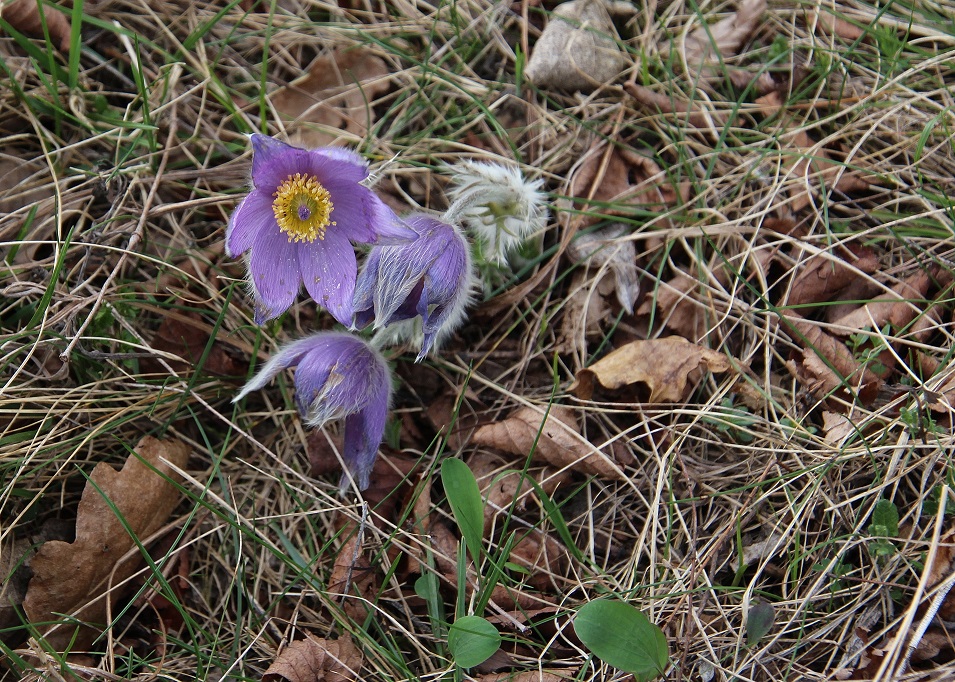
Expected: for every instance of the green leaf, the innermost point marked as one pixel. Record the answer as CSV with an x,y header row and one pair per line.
x,y
472,640
466,504
620,635
885,519
759,622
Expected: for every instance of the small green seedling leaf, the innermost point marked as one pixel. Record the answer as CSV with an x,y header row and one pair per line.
x,y
759,622
466,504
620,635
472,640
885,520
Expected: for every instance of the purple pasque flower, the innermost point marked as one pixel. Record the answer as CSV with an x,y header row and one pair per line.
x,y
297,224
338,375
430,277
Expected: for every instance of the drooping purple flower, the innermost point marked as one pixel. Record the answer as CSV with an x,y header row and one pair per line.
x,y
305,207
338,375
430,277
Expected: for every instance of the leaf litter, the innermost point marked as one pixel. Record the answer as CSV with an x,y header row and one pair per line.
x,y
787,363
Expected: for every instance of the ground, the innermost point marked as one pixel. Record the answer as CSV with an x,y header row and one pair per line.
x,y
717,385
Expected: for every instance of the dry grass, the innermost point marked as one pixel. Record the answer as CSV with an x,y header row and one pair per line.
x,y
113,264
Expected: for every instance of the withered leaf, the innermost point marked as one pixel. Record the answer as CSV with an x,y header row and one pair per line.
x,y
827,364
625,177
559,444
725,37
501,485
896,309
526,676
584,312
24,16
822,276
75,578
317,660
334,95
607,248
578,50
666,365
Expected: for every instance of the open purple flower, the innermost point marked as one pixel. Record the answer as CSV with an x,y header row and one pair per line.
x,y
305,208
338,375
430,277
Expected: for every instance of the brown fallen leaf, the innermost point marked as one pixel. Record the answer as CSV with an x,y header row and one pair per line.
x,y
622,177
821,277
578,50
827,364
75,578
526,676
559,443
836,428
897,309
354,581
839,26
501,485
722,39
666,365
609,249
317,660
24,16
186,334
545,559
678,306
334,96
584,313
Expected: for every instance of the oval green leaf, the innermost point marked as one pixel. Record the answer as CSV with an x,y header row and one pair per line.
x,y
472,640
620,635
464,496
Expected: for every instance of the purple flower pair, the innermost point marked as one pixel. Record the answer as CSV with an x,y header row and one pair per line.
x,y
296,225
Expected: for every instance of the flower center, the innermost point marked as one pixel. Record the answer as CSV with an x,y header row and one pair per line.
x,y
302,208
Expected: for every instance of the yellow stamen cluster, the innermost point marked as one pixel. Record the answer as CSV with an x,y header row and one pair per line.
x,y
302,208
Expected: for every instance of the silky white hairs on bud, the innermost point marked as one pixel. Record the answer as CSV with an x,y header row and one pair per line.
x,y
497,204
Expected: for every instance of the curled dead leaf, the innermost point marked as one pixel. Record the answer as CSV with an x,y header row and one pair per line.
x,y
317,660
117,510
666,365
24,16
584,312
559,442
608,249
578,50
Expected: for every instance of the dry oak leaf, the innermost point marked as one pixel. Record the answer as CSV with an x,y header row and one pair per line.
x,y
75,578
316,660
578,50
666,365
334,95
559,444
24,16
